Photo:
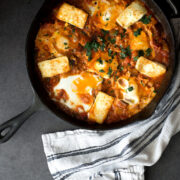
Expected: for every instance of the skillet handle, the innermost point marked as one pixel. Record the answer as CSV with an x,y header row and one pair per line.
x,y
170,8
9,128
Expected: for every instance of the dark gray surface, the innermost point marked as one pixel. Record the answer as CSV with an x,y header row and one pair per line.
x,y
22,157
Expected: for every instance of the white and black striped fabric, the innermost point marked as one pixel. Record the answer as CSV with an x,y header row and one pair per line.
x,y
117,154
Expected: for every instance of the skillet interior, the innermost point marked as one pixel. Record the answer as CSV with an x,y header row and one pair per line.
x,y
43,95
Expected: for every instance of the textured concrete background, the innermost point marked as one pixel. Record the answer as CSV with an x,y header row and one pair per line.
x,y
22,157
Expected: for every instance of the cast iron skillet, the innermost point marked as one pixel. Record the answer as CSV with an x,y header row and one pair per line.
x,y
41,99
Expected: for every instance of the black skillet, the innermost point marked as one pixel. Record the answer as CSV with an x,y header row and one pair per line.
x,y
41,99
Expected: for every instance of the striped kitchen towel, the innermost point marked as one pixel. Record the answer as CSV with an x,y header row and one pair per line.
x,y
117,154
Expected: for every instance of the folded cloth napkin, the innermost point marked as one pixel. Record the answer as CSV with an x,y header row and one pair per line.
x,y
116,154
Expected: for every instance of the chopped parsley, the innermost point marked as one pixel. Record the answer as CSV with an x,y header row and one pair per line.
x,y
88,51
146,19
140,53
88,46
142,83
130,89
109,61
121,68
112,91
107,19
116,33
135,58
89,54
104,32
73,30
65,43
101,38
83,33
155,91
101,70
109,52
67,47
102,46
125,52
113,41
123,34
109,71
148,52
137,32
100,61
116,77
46,34
123,55
94,45
71,62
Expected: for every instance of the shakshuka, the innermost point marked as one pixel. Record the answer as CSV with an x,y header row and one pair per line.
x,y
101,61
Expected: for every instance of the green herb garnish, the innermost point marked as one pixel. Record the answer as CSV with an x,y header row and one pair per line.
x,y
123,34
101,70
130,89
102,46
101,38
94,45
104,32
109,71
148,52
116,77
140,53
137,32
125,52
121,68
71,62
113,41
123,55
100,61
136,58
46,34
112,91
88,50
110,61
142,83
116,33
109,52
155,91
146,19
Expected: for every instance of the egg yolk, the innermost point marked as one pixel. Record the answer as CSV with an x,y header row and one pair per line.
x,y
85,83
